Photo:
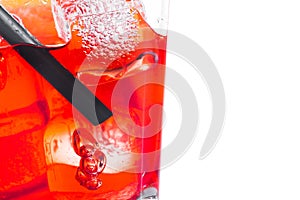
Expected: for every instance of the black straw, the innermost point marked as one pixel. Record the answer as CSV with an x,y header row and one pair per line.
x,y
57,75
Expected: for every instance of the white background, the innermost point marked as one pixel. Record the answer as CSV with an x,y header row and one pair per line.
x,y
255,46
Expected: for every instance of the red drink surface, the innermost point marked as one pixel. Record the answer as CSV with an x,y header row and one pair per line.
x,y
34,117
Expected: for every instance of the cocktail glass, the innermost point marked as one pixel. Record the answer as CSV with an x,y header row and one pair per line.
x,y
116,50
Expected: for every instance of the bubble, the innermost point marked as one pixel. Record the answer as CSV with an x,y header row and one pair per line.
x,y
76,142
89,165
83,142
86,150
81,177
93,184
101,158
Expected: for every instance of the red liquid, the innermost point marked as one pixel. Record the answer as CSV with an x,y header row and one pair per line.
x,y
24,114
53,177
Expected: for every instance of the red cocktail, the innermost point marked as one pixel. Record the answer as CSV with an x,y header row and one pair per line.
x,y
48,148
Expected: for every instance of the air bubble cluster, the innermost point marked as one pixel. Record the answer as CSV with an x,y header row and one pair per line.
x,y
109,28
92,162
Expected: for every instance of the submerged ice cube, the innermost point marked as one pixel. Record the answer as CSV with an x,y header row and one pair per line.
x,y
117,146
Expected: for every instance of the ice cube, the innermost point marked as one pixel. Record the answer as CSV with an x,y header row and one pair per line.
x,y
108,28
116,145
61,24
